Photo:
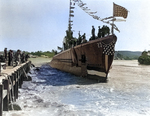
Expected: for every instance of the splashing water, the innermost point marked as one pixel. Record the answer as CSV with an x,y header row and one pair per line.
x,y
56,93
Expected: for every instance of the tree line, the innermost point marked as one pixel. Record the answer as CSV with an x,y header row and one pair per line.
x,y
46,53
119,56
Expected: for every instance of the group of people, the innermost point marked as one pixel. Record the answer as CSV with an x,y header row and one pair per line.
x,y
102,32
70,41
81,39
16,57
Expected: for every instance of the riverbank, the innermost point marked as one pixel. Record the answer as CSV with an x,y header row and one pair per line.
x,y
39,61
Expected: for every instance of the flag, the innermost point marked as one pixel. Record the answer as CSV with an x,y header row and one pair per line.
x,y
71,3
92,12
71,15
81,4
120,11
72,7
108,49
76,0
70,21
71,11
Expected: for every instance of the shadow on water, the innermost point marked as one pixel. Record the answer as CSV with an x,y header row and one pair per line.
x,y
54,77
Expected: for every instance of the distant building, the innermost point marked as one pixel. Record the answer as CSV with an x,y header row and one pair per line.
x,y
32,56
44,56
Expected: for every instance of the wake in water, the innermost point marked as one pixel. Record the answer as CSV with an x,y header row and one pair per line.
x,y
56,93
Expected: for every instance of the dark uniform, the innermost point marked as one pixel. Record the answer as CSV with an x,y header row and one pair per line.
x,y
26,57
17,57
99,32
84,38
93,33
23,57
10,58
5,54
79,39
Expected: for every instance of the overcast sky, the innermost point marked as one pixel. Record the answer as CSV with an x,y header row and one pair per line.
x,y
34,25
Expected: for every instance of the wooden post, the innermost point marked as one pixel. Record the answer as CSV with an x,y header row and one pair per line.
x,y
14,86
17,83
21,76
11,92
0,68
6,99
28,67
1,100
20,81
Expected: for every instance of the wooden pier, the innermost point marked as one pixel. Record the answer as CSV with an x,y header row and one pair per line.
x,y
11,79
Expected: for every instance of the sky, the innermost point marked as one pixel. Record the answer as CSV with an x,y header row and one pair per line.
x,y
40,25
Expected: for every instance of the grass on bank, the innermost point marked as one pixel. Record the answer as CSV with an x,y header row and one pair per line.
x,y
40,53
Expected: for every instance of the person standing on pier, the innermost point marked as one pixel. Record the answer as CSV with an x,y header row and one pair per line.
x,y
10,58
26,57
93,33
17,57
5,54
23,57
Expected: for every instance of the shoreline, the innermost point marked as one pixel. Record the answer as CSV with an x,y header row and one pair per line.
x,y
39,61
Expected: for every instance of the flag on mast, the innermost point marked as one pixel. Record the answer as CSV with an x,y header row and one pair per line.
x,y
120,11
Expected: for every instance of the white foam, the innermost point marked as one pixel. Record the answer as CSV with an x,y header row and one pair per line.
x,y
96,99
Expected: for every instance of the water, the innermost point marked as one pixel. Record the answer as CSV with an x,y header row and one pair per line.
x,y
55,93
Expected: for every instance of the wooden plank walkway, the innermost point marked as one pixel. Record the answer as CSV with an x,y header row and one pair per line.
x,y
11,79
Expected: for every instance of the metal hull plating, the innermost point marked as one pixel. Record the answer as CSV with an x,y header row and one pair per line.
x,y
92,59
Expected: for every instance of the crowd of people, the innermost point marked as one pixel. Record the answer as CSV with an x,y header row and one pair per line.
x,y
102,32
15,58
70,41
